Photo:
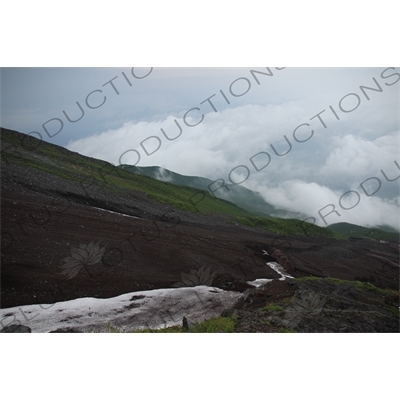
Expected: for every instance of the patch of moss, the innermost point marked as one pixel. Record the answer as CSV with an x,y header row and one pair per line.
x,y
284,330
213,325
364,286
272,308
357,284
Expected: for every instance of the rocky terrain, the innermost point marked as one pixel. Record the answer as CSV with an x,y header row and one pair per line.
x,y
67,235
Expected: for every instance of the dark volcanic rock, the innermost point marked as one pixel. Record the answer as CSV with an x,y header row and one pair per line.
x,y
319,305
16,329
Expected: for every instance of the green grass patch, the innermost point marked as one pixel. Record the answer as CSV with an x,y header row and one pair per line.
x,y
284,330
272,308
364,286
351,230
287,226
213,325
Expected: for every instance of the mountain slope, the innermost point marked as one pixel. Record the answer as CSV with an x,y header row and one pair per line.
x,y
244,198
351,230
255,204
84,177
88,173
74,227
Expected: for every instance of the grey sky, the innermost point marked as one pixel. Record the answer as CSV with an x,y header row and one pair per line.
x,y
32,96
354,145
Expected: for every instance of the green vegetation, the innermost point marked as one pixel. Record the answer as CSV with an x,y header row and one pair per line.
x,y
213,325
246,199
363,286
182,197
284,330
272,308
357,284
350,230
287,226
72,166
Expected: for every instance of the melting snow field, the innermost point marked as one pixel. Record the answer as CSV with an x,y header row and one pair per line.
x,y
280,270
277,268
153,309
259,282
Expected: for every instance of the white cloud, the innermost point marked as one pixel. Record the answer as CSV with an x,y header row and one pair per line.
x,y
327,206
222,141
353,158
315,172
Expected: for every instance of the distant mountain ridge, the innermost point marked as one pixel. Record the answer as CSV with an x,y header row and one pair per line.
x,y
254,203
351,230
244,198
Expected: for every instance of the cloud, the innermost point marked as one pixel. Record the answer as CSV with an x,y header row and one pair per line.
x,y
299,154
353,158
221,141
162,175
325,206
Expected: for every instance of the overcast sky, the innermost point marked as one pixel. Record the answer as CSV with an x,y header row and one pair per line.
x,y
231,124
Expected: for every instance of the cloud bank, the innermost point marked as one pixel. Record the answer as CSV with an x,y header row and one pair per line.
x,y
338,154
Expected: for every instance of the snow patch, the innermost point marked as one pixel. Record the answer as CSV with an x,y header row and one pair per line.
x,y
115,212
280,270
154,309
259,282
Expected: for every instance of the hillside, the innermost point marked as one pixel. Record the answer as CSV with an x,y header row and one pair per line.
x,y
75,227
253,203
356,231
89,172
244,198
89,175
